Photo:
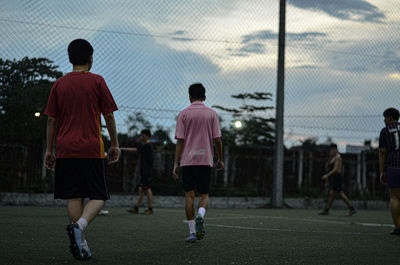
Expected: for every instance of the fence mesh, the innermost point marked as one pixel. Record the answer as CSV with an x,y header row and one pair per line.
x,y
342,63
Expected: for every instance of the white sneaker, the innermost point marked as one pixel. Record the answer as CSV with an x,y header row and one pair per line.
x,y
103,212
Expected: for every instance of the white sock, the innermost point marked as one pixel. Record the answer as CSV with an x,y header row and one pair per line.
x,y
82,223
202,211
191,226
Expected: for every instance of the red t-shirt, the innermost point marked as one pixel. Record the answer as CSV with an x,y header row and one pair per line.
x,y
77,100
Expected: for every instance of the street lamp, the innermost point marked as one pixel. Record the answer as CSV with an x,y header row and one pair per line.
x,y
37,114
238,124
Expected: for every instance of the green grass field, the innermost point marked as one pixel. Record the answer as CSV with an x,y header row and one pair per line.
x,y
36,235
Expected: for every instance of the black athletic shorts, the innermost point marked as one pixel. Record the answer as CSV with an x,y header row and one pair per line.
x,y
336,183
81,178
145,182
393,177
196,178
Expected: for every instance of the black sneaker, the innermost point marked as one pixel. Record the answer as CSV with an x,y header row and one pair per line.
x,y
324,212
200,231
76,242
133,210
351,212
395,232
148,212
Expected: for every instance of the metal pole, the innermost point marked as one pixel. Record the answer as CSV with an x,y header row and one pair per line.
x,y
277,189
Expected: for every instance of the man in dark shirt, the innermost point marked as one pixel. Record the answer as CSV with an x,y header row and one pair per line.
x,y
335,177
146,167
389,162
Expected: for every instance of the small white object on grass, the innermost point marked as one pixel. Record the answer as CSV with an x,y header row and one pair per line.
x,y
103,212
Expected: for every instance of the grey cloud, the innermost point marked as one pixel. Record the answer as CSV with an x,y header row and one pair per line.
x,y
259,35
390,61
306,66
355,10
269,35
257,48
182,39
255,42
356,69
179,32
178,35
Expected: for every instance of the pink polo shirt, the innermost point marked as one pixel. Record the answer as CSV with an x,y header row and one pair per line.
x,y
198,125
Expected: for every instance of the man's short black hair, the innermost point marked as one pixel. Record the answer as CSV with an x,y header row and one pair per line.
x,y
146,132
392,112
197,91
333,146
79,52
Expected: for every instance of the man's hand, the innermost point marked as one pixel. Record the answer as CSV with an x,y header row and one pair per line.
x,y
324,177
50,160
175,172
113,155
220,165
383,178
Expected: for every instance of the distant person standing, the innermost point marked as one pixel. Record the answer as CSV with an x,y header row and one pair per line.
x,y
335,179
389,162
145,169
74,107
197,127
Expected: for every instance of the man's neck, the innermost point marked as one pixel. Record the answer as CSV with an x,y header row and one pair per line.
x,y
80,68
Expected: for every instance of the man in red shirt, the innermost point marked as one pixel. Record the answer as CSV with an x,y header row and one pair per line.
x,y
74,107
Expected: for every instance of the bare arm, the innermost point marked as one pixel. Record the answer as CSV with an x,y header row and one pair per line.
x,y
336,168
50,159
114,152
218,147
382,162
178,152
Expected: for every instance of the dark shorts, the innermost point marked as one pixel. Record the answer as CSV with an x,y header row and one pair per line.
x,y
196,178
145,182
81,178
336,182
393,177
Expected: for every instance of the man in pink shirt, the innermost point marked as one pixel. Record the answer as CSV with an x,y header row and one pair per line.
x,y
197,128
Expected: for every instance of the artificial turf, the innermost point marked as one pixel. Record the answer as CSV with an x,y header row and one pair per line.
x,y
36,235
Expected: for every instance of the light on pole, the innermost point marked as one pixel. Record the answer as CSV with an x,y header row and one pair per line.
x,y
238,124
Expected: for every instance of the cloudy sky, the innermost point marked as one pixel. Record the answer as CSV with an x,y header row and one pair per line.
x,y
342,57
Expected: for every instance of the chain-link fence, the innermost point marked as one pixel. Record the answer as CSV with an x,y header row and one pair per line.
x,y
342,71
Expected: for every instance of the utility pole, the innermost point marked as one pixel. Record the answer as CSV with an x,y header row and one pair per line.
x,y
277,189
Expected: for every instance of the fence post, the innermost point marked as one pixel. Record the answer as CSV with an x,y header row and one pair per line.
x,y
300,168
44,170
310,169
226,168
364,172
359,186
125,173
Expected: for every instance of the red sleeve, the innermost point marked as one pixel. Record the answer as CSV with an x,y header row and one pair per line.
x,y
52,103
107,103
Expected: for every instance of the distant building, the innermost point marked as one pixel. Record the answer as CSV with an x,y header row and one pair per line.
x,y
356,149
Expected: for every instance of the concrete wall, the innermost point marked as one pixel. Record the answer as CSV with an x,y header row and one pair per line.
x,y
37,199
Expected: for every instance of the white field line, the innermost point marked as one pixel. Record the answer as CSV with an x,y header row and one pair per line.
x,y
313,220
288,230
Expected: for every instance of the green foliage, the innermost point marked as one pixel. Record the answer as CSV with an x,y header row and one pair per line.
x,y
136,123
256,129
24,89
162,135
